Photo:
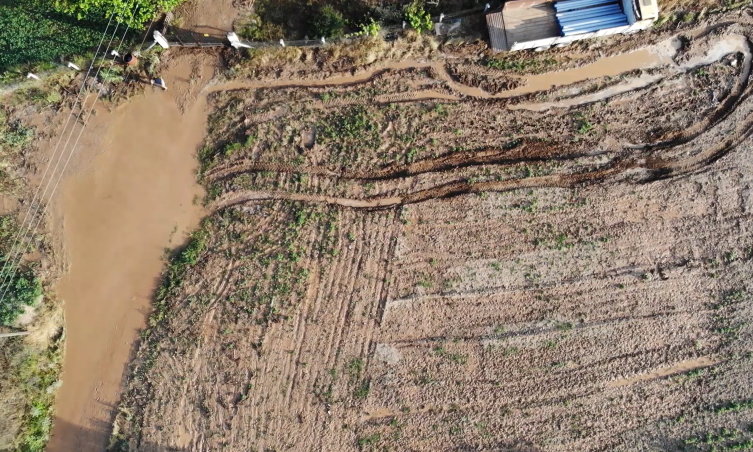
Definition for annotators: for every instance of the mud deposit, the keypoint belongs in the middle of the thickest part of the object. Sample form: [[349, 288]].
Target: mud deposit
[[381, 270], [133, 198]]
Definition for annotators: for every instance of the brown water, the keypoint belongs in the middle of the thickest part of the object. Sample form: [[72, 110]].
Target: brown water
[[135, 199], [730, 44], [681, 367], [605, 67]]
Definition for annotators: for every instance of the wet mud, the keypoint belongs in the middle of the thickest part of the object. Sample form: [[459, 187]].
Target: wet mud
[[135, 197]]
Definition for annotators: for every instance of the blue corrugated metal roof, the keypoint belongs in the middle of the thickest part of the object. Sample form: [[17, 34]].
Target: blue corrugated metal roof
[[599, 25], [585, 16], [595, 20], [578, 14], [569, 5]]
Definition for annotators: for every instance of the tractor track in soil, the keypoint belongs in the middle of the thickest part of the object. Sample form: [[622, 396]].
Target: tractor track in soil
[[654, 168], [396, 267]]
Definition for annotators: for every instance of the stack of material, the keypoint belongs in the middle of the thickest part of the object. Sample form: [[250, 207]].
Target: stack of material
[[586, 16]]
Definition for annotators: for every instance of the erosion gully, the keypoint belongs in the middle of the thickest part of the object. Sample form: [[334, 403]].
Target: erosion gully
[[136, 196]]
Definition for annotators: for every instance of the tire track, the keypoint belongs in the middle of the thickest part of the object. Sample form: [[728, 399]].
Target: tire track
[[525, 152]]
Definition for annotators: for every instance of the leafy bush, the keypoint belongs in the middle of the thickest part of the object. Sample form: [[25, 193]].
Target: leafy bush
[[37, 372], [417, 17], [113, 74], [24, 290], [255, 29], [124, 9], [15, 135], [371, 28], [329, 23]]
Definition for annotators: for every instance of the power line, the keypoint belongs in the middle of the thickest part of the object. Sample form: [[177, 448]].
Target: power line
[[18, 234], [14, 267], [71, 152], [145, 35]]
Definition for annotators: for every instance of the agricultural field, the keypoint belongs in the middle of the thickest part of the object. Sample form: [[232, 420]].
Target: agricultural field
[[431, 254]]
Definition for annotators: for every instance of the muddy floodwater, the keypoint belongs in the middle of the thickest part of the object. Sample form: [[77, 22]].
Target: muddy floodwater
[[135, 198]]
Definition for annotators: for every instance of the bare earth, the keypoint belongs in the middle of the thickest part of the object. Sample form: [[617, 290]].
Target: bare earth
[[405, 261]]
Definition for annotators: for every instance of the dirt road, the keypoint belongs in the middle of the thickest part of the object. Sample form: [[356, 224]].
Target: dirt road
[[133, 198]]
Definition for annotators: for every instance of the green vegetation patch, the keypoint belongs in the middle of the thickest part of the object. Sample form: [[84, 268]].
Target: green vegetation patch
[[31, 31], [22, 286], [37, 375], [349, 132], [134, 17], [296, 19]]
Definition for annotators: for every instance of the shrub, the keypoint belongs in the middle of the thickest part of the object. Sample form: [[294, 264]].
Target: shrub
[[255, 29], [371, 28], [16, 136], [329, 23], [417, 17], [24, 290], [113, 74]]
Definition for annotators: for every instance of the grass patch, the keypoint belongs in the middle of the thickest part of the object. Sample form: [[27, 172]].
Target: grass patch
[[734, 406], [509, 63], [176, 270], [350, 132], [369, 440], [362, 390], [457, 358], [38, 373]]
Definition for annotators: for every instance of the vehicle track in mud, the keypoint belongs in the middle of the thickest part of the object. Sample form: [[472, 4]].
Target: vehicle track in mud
[[638, 159], [516, 152], [541, 307]]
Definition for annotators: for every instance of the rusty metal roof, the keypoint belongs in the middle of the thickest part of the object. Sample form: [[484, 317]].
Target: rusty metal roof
[[522, 21], [496, 24], [530, 20]]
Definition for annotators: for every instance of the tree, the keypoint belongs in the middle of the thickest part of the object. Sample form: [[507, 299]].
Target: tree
[[329, 23]]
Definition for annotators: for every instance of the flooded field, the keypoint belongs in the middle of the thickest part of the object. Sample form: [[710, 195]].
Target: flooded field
[[408, 245], [135, 197]]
